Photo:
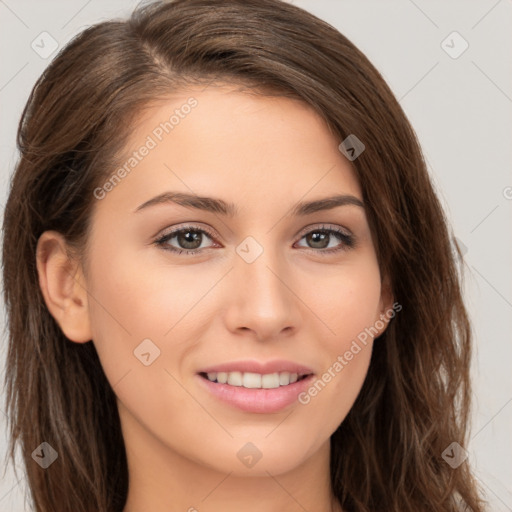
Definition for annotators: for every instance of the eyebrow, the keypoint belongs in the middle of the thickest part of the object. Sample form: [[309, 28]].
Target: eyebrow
[[222, 207]]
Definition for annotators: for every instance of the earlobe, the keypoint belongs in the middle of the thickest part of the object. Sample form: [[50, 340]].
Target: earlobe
[[63, 287]]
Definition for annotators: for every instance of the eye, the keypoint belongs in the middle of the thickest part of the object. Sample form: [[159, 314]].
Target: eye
[[189, 237], [321, 237], [190, 240]]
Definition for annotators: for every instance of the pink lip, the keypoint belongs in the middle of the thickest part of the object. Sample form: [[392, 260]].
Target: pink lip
[[257, 400], [276, 366]]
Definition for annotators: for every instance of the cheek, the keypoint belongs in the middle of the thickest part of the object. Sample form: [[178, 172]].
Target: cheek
[[344, 298], [348, 304], [134, 300], [331, 396]]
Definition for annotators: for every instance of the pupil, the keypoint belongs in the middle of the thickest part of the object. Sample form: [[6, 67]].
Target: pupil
[[319, 237], [190, 237]]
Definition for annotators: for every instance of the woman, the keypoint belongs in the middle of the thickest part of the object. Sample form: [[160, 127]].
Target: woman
[[229, 282]]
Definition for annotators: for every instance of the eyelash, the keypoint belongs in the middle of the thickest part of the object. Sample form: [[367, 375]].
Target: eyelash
[[348, 241]]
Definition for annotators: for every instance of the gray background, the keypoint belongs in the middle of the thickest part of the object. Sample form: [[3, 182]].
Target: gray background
[[461, 110]]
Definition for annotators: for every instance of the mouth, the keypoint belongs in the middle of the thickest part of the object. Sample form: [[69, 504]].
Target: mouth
[[263, 393], [251, 380]]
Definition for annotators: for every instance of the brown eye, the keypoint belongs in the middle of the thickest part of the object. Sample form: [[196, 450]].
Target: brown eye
[[322, 237], [188, 240]]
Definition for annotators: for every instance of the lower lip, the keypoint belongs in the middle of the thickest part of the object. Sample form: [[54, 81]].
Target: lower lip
[[257, 400]]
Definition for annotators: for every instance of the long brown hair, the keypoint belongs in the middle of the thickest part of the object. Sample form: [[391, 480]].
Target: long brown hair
[[387, 453]]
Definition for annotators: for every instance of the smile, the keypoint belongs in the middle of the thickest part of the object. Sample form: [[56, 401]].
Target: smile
[[255, 392], [252, 380]]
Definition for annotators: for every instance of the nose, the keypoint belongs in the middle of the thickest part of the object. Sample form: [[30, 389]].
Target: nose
[[261, 298]]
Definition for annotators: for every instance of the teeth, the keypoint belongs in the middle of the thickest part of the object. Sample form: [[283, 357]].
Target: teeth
[[284, 378], [222, 377], [235, 379], [254, 380], [251, 380], [271, 380]]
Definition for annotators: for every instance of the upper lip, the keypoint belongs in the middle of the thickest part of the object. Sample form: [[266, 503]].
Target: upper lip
[[276, 366]]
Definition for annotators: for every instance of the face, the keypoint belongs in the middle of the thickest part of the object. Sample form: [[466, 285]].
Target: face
[[178, 293]]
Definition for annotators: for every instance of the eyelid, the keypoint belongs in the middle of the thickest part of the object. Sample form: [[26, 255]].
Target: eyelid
[[185, 226], [320, 226], [301, 233]]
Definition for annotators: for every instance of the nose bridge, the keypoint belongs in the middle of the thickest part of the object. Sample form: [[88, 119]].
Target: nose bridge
[[258, 266], [263, 300]]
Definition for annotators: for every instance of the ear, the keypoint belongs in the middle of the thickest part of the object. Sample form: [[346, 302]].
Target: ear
[[387, 307], [63, 287]]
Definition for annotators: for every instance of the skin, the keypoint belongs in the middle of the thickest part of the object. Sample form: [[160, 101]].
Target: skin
[[264, 154]]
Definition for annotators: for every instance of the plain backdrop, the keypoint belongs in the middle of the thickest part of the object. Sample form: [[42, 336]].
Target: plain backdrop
[[459, 101]]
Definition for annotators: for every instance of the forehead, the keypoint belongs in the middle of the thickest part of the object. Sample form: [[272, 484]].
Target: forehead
[[227, 143]]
